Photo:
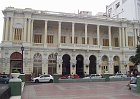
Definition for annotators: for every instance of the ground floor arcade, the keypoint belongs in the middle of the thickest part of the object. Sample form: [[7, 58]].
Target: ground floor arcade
[[69, 62]]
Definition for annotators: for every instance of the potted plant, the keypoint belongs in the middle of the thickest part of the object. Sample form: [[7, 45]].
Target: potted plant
[[15, 73]]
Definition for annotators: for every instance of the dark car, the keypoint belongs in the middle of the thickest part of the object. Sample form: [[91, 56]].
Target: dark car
[[4, 79]]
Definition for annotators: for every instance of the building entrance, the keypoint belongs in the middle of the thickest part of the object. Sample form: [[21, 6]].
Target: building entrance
[[66, 65], [116, 69], [79, 66], [16, 62], [92, 64]]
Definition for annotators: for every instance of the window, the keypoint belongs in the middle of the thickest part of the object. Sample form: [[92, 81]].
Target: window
[[37, 38], [88, 40], [63, 39], [75, 40], [116, 42], [123, 1], [83, 40], [109, 12], [94, 41], [130, 41], [17, 34], [50, 39], [117, 5], [105, 42], [70, 39]]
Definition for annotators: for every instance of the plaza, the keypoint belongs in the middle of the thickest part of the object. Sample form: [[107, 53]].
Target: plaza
[[86, 90]]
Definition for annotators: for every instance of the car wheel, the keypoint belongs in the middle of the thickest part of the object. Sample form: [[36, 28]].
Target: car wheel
[[5, 82], [36, 81], [51, 81]]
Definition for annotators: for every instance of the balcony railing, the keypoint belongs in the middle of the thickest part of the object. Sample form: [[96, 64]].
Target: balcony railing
[[79, 46]]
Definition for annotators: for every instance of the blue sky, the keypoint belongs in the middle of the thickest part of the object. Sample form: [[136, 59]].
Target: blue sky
[[69, 6]]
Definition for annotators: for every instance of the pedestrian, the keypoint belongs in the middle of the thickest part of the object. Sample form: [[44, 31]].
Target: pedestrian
[[133, 82]]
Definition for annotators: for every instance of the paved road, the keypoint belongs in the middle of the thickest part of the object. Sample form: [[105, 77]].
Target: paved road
[[88, 90]]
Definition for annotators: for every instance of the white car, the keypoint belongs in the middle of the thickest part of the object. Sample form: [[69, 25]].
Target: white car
[[43, 78], [93, 76], [119, 75]]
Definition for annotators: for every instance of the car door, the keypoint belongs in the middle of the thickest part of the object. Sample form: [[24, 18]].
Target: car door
[[41, 79], [46, 78]]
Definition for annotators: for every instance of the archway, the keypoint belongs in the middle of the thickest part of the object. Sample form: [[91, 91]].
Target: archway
[[105, 64], [66, 64], [92, 64], [79, 65], [37, 64], [16, 62], [116, 64], [52, 64]]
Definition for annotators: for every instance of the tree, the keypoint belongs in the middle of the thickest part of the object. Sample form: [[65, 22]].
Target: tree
[[136, 58]]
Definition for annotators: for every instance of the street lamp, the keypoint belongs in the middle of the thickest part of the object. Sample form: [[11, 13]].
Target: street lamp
[[22, 49]]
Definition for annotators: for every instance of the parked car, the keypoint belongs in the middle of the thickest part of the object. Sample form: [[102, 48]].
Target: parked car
[[119, 75], [43, 78], [93, 76], [4, 79], [75, 76]]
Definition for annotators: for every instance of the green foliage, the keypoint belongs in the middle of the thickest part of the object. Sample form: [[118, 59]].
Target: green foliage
[[136, 58]]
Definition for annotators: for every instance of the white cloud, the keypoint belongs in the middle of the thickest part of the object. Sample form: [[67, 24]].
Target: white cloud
[[69, 6]]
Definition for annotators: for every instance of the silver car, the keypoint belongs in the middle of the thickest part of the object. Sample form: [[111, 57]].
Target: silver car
[[93, 76], [43, 78], [119, 75]]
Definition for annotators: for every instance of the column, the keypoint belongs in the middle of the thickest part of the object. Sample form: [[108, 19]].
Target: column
[[6, 29], [98, 35], [138, 35], [135, 38], [45, 35], [123, 37], [31, 36], [11, 29], [59, 32], [85, 33], [109, 33], [29, 32], [73, 32], [25, 30], [126, 35], [120, 37]]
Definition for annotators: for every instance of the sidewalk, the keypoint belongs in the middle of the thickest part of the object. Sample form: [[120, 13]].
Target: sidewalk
[[18, 97]]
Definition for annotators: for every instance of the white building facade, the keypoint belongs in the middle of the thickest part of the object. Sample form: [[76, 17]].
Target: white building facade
[[129, 9], [66, 43]]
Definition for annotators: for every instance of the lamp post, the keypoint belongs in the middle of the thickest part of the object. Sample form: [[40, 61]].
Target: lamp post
[[22, 49], [138, 39]]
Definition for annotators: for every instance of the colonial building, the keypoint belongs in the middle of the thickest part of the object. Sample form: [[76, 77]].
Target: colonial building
[[66, 43], [129, 9]]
